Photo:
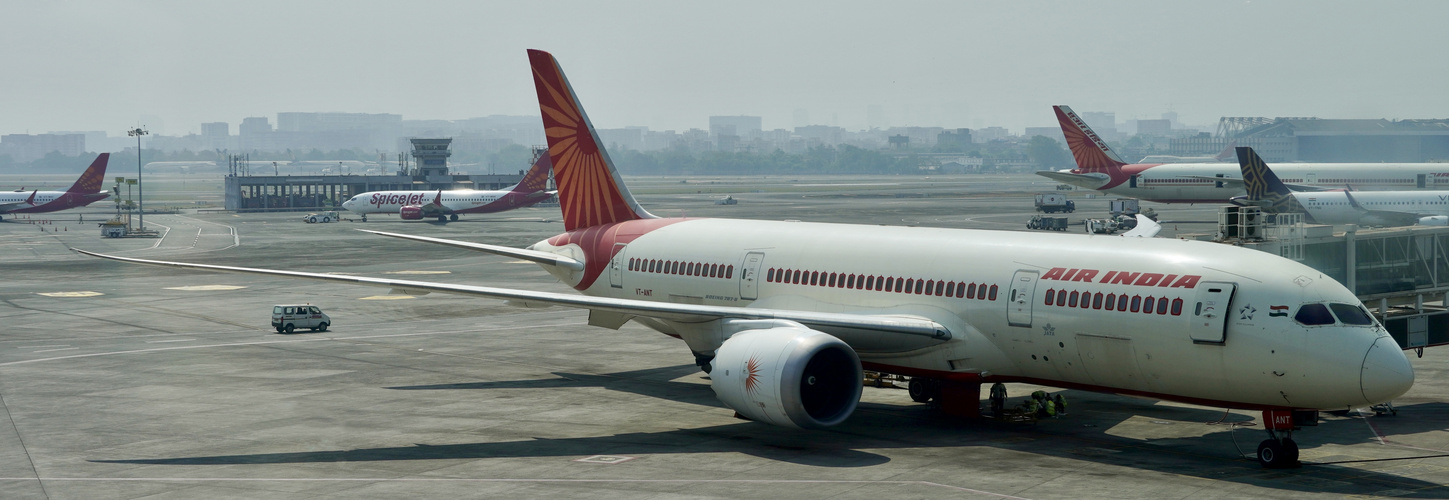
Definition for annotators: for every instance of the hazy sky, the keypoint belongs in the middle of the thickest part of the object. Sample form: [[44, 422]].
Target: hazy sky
[[102, 65]]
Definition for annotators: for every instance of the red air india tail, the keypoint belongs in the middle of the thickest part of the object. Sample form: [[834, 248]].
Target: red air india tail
[[90, 180], [590, 192], [537, 177], [1091, 152]]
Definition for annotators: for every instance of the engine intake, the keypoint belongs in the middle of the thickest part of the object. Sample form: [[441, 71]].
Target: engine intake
[[787, 376], [411, 212]]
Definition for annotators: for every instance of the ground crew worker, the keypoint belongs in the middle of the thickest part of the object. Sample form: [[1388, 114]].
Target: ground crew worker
[[998, 398], [1032, 407], [1042, 402], [1048, 408], [1061, 404]]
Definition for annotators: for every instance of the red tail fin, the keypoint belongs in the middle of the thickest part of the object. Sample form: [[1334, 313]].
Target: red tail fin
[[90, 180], [590, 191], [1091, 152], [537, 177]]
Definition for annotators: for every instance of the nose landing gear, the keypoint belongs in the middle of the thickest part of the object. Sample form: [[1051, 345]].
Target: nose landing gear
[[1278, 452]]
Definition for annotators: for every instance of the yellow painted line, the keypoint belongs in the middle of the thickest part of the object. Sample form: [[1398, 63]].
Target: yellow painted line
[[388, 297], [199, 288], [71, 294]]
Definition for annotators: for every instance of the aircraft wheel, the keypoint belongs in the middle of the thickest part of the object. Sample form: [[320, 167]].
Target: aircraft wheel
[[918, 388], [453, 217], [322, 327], [289, 328], [1271, 454], [364, 218], [442, 219], [1290, 453]]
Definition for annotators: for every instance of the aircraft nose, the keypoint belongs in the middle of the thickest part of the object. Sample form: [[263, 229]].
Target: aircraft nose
[[1386, 373]]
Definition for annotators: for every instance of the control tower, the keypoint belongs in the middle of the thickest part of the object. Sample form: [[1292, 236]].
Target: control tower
[[431, 156]]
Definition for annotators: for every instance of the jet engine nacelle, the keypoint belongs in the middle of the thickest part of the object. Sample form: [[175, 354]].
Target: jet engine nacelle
[[1434, 220], [787, 376], [411, 212]]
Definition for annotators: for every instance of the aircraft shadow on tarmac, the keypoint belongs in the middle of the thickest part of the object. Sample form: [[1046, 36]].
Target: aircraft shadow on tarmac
[[876, 426]]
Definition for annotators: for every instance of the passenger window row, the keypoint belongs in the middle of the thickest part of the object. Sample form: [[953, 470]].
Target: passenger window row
[[960, 290], [682, 268], [1113, 302]]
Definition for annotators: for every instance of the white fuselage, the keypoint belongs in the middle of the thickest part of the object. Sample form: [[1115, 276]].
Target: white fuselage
[[45, 201], [1239, 352], [456, 201], [1182, 182], [1335, 207]]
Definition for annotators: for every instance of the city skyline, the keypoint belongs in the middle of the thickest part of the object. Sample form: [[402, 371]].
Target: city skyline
[[666, 66]]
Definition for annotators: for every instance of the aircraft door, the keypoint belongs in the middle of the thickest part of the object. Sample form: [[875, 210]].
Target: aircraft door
[[750, 274], [616, 266], [1209, 312], [1019, 299], [1422, 181], [1132, 181]]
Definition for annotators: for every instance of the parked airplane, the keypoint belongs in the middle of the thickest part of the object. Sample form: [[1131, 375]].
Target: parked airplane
[[785, 315], [446, 205], [1369, 208], [1099, 168], [86, 190]]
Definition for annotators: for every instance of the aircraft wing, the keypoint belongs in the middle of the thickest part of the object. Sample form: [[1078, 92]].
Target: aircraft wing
[[1146, 228], [1389, 217], [1070, 178], [6, 207], [1238, 183], [517, 253], [865, 332]]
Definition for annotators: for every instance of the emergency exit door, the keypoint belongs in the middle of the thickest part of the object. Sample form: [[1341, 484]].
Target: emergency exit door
[[1019, 302], [1210, 311], [750, 275], [616, 266]]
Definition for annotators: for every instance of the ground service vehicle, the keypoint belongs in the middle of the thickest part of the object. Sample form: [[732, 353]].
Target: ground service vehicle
[[1054, 202], [1044, 222], [286, 318], [321, 217]]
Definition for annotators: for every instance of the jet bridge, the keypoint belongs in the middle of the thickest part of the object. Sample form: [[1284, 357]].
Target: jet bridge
[[1401, 273]]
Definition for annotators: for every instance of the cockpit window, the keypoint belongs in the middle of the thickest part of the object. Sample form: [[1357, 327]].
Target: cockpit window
[[1351, 314], [1314, 315]]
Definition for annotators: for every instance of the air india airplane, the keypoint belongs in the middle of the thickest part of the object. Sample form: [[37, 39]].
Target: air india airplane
[[85, 191], [1099, 168], [1368, 208], [784, 316], [446, 205]]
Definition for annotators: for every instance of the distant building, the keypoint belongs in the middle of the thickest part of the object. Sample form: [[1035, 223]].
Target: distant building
[[960, 137], [1053, 133], [431, 156], [26, 147], [988, 134], [1154, 127], [1104, 123], [622, 138], [742, 126]]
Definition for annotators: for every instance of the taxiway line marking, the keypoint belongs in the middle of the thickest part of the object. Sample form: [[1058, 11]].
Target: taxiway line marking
[[61, 349], [269, 342], [499, 480], [41, 346], [165, 341]]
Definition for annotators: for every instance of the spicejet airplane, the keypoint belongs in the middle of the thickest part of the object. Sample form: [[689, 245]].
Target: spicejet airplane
[[446, 205], [85, 191], [785, 315], [1372, 208], [1099, 168]]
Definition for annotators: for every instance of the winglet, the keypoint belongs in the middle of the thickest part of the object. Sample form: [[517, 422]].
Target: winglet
[[1263, 186], [438, 200], [90, 180], [30, 200], [1091, 152], [591, 193]]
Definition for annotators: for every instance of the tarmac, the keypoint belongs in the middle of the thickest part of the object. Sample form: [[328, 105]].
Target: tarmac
[[120, 381]]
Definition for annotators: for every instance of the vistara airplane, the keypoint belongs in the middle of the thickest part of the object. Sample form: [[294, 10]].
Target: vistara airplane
[[1369, 208], [784, 316], [85, 191]]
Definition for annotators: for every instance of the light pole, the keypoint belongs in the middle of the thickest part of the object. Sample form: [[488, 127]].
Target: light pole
[[140, 188]]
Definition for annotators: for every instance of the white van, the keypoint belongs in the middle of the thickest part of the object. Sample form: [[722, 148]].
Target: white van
[[288, 318]]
